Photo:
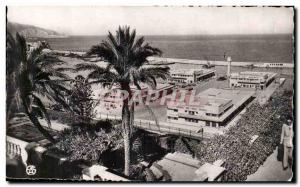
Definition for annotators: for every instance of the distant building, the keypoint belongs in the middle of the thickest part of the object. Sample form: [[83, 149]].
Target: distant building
[[249, 79], [273, 65], [190, 75], [212, 108]]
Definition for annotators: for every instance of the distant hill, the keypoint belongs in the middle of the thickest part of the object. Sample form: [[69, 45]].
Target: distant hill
[[30, 31]]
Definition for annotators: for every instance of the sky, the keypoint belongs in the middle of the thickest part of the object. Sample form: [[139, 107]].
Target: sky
[[97, 20]]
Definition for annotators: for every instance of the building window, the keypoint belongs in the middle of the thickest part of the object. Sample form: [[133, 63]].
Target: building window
[[207, 123], [172, 118], [213, 124]]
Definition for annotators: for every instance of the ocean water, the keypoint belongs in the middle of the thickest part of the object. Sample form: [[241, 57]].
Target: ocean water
[[252, 48]]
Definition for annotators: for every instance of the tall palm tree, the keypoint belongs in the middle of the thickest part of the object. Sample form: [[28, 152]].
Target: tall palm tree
[[126, 57], [32, 77]]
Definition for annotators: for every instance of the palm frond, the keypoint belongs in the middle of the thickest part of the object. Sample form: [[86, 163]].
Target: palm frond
[[48, 61], [157, 72], [63, 69], [42, 108], [88, 66], [97, 74]]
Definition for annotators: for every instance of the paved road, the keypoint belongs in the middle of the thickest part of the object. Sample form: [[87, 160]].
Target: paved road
[[271, 170]]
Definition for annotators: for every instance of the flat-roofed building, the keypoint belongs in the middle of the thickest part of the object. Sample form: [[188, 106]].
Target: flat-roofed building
[[211, 108], [249, 79], [190, 75]]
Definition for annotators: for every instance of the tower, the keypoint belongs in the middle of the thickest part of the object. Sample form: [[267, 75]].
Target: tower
[[229, 66]]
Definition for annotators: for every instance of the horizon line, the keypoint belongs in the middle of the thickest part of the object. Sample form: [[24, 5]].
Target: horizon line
[[187, 34]]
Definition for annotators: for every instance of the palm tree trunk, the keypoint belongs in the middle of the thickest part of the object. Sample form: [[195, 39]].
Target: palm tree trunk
[[131, 116], [126, 135], [126, 129]]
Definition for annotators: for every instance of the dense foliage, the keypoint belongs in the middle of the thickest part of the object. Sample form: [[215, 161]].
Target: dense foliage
[[89, 142], [81, 100]]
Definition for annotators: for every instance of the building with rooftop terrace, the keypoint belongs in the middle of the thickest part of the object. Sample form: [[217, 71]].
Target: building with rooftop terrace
[[249, 79], [210, 108], [190, 75]]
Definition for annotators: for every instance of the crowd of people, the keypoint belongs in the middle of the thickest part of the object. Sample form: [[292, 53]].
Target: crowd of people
[[246, 146]]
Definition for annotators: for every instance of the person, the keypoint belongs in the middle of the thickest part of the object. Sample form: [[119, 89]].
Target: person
[[287, 141]]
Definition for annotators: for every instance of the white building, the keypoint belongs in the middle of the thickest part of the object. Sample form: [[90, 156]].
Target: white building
[[249, 79], [190, 75], [212, 108]]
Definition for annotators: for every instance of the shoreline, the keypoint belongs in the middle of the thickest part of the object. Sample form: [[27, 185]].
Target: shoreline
[[169, 61]]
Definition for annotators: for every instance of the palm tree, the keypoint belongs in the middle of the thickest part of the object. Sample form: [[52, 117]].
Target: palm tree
[[126, 57], [31, 77]]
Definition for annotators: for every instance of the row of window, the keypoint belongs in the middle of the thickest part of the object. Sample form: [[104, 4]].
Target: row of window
[[191, 120], [191, 112], [245, 79], [211, 114], [208, 124], [174, 118], [248, 85], [275, 64], [181, 75], [174, 110], [179, 80]]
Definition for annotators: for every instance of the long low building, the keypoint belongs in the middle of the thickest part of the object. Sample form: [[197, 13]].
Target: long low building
[[211, 108], [249, 79], [190, 75]]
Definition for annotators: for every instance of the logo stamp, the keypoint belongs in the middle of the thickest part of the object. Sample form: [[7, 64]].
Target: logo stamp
[[30, 170]]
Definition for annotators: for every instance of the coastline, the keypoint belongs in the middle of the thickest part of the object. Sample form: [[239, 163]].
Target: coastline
[[169, 61], [218, 63]]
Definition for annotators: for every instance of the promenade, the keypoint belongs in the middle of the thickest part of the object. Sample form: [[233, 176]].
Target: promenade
[[271, 170], [161, 60]]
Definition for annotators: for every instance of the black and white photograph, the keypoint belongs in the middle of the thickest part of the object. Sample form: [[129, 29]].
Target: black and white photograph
[[149, 94]]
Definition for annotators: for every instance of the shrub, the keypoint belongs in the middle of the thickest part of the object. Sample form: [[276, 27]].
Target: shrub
[[61, 116], [89, 142], [81, 101]]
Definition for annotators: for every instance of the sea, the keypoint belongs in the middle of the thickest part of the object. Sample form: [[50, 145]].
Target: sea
[[242, 48]]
